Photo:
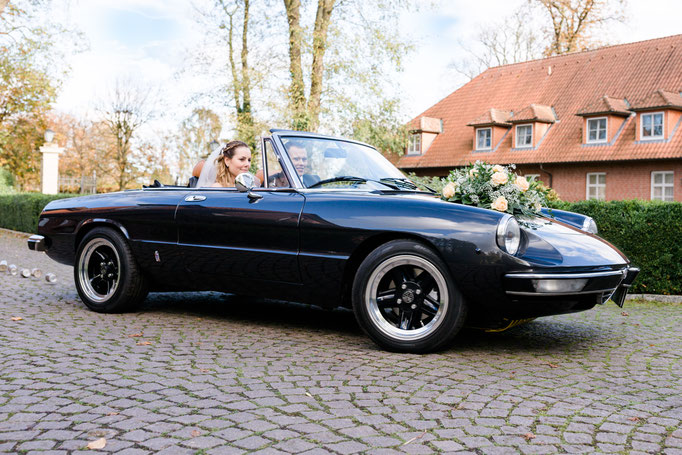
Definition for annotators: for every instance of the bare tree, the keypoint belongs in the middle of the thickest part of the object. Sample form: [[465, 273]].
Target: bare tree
[[574, 23], [512, 40], [124, 113], [196, 134]]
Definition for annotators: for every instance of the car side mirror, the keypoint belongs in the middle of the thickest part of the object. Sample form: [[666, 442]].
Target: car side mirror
[[246, 182]]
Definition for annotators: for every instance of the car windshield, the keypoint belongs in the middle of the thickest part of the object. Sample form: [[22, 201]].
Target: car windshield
[[335, 163]]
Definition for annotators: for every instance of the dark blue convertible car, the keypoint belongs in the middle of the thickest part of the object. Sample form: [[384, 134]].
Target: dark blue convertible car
[[347, 229]]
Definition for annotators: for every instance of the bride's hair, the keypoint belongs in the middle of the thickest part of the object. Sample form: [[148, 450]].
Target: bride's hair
[[223, 176]]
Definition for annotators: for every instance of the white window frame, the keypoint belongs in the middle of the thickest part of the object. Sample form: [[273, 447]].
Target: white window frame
[[414, 147], [530, 177], [641, 126], [595, 186], [663, 185], [490, 146], [516, 140], [606, 130]]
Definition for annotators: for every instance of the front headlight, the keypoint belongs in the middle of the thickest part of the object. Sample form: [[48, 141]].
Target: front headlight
[[509, 235], [589, 225]]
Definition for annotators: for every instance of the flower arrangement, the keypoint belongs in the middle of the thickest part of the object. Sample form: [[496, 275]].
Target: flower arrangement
[[495, 187]]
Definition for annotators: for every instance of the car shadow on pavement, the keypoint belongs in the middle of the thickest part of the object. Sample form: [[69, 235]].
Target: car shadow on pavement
[[235, 308], [542, 335]]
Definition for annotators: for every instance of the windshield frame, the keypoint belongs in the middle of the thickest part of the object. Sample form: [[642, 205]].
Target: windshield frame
[[277, 137]]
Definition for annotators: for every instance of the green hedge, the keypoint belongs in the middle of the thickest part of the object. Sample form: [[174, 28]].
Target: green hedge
[[20, 211], [647, 232]]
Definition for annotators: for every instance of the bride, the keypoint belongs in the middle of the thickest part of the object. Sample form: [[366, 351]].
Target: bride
[[225, 164]]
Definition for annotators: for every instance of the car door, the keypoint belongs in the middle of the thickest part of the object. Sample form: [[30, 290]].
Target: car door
[[231, 239]]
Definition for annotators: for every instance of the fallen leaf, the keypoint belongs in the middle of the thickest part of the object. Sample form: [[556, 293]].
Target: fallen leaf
[[625, 313], [97, 444], [528, 436], [135, 335], [552, 365], [633, 419], [17, 318], [204, 370], [113, 414], [195, 433], [415, 438], [308, 394], [144, 343]]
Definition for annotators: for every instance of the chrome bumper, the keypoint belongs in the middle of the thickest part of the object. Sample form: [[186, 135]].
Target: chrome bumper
[[37, 243], [610, 284]]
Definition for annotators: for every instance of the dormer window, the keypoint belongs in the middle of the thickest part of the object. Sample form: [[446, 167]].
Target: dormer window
[[484, 138], [415, 145], [596, 129], [524, 136], [652, 126]]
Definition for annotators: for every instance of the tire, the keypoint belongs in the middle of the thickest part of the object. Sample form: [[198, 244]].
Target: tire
[[400, 307], [107, 277]]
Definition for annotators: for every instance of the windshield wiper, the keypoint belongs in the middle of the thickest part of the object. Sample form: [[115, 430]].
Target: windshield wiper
[[405, 183], [351, 178]]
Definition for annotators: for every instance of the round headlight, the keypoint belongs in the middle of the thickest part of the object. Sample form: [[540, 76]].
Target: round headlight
[[589, 225], [509, 235]]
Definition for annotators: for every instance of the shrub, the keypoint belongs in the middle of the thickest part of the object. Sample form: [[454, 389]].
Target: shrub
[[647, 232], [20, 211]]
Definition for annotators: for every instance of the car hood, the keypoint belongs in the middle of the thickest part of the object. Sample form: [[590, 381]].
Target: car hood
[[553, 243]]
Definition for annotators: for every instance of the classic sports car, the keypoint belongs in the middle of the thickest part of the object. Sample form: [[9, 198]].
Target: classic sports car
[[345, 228]]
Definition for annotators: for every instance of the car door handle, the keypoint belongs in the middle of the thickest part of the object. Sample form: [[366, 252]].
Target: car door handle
[[195, 198]]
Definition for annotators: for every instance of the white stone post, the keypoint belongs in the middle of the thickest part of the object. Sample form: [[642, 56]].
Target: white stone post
[[51, 152]]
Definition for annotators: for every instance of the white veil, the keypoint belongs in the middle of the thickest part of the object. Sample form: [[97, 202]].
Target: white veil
[[209, 172]]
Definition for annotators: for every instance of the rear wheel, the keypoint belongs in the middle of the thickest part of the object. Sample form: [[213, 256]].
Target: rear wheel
[[404, 299], [107, 277]]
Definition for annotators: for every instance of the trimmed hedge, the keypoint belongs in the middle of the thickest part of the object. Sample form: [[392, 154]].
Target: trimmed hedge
[[20, 211], [647, 232]]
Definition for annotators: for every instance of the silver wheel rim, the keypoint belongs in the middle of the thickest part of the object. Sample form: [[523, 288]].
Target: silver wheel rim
[[99, 270], [406, 297]]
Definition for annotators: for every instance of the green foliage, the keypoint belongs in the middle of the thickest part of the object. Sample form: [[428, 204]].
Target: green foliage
[[381, 127], [20, 212], [434, 183], [6, 181], [647, 232]]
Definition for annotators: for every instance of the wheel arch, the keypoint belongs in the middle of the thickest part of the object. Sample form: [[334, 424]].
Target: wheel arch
[[366, 247], [90, 224]]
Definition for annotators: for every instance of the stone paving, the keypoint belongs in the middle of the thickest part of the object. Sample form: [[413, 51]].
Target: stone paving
[[207, 373]]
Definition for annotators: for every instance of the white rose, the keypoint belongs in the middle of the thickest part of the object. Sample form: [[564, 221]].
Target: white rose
[[499, 178], [498, 168], [473, 172], [500, 204], [449, 190], [521, 183]]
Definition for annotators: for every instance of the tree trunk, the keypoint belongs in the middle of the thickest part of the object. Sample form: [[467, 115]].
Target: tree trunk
[[3, 3], [322, 19], [297, 98]]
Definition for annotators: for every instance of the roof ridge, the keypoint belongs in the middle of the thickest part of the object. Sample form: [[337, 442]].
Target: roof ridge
[[580, 52]]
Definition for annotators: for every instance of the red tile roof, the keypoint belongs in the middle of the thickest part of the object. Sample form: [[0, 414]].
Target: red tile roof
[[493, 117], [534, 113], [607, 105], [660, 99], [567, 83]]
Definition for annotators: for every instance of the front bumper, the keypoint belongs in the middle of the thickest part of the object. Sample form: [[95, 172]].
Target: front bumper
[[603, 285], [37, 243]]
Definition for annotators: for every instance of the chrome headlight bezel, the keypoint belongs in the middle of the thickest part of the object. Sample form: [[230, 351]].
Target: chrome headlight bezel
[[509, 235]]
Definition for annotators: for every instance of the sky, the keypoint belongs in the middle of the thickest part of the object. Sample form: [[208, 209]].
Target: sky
[[150, 40]]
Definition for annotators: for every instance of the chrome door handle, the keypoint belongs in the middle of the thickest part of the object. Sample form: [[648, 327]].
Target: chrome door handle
[[195, 198]]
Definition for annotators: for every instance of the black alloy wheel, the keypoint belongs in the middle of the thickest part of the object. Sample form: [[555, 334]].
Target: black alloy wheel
[[404, 299], [107, 277]]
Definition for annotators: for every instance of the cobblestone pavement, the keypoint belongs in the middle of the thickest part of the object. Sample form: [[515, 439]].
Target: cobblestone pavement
[[212, 374]]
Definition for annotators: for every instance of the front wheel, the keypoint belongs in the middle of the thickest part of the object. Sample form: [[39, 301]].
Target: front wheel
[[107, 277], [404, 299]]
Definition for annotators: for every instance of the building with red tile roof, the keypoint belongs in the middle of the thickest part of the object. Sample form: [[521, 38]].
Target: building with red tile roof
[[605, 123]]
